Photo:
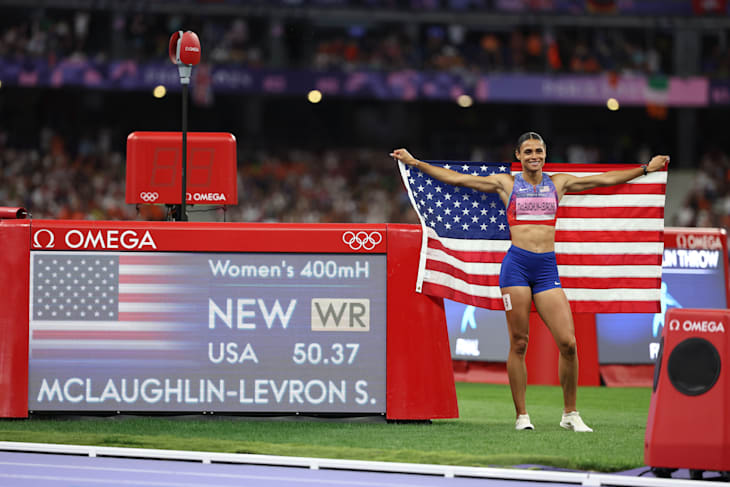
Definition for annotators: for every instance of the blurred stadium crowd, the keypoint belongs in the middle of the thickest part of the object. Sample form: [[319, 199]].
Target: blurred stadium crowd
[[260, 41], [345, 185], [80, 173], [707, 203]]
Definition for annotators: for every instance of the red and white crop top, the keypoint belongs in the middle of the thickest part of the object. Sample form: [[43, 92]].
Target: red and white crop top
[[536, 205]]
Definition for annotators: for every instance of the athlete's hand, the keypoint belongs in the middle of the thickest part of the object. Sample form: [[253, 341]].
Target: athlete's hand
[[657, 163], [404, 156]]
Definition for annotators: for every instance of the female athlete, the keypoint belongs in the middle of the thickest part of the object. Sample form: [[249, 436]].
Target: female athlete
[[529, 272]]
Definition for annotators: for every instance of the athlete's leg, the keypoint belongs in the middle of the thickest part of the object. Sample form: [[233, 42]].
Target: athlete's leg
[[517, 300], [554, 309]]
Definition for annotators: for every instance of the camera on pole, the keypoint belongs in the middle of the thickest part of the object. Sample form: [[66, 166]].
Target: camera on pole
[[185, 53]]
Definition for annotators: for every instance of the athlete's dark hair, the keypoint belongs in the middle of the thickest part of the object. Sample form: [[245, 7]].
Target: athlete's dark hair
[[528, 136]]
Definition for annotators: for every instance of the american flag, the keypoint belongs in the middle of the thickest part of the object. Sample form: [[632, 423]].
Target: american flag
[[609, 241], [105, 305]]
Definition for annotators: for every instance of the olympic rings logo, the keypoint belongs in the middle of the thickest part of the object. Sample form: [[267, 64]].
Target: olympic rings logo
[[149, 197], [362, 240]]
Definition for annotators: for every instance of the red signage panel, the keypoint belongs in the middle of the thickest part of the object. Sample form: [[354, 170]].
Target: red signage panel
[[416, 392], [124, 236], [154, 168]]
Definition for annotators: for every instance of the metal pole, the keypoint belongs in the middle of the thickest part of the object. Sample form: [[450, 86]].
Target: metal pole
[[183, 212]]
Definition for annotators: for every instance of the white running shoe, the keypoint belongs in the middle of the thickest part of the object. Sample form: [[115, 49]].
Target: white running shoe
[[572, 421], [523, 422]]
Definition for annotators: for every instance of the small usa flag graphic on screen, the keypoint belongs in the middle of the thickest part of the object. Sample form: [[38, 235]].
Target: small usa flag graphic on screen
[[76, 287], [114, 305]]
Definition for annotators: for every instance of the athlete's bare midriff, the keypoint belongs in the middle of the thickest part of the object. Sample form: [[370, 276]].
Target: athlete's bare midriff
[[533, 238]]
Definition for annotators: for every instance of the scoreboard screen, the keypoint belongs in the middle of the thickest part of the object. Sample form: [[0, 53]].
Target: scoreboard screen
[[694, 275], [207, 332], [476, 333]]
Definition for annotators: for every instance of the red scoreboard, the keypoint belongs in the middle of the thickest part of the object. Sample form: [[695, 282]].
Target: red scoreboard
[[154, 168], [219, 317]]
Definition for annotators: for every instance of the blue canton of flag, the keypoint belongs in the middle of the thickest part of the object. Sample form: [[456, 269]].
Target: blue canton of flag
[[76, 287], [465, 234], [456, 212]]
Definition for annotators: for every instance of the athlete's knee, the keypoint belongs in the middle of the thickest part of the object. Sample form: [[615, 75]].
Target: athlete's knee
[[518, 343], [568, 347]]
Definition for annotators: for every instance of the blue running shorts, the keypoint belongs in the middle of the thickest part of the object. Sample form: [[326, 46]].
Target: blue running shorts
[[521, 267]]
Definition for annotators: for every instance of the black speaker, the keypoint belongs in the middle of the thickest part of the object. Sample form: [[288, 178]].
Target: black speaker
[[688, 424]]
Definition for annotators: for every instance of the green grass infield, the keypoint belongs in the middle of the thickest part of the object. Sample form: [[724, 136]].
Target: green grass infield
[[484, 434]]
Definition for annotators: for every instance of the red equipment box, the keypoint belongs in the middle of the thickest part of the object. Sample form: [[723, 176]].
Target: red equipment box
[[688, 425], [154, 168]]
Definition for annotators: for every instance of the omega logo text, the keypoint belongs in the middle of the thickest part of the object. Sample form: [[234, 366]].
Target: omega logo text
[[206, 197], [711, 242], [698, 326], [99, 239]]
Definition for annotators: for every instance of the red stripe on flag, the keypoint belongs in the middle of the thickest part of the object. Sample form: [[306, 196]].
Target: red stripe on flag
[[147, 316], [478, 279], [154, 298], [608, 259], [131, 278], [567, 282], [85, 354], [656, 188], [610, 282], [610, 212], [454, 295], [155, 259], [615, 306], [467, 255], [608, 236], [102, 335], [569, 167]]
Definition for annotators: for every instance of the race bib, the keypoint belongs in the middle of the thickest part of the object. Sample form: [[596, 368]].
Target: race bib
[[535, 208]]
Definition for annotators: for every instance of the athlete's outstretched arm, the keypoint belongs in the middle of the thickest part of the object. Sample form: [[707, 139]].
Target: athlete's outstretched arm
[[571, 184], [487, 184]]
